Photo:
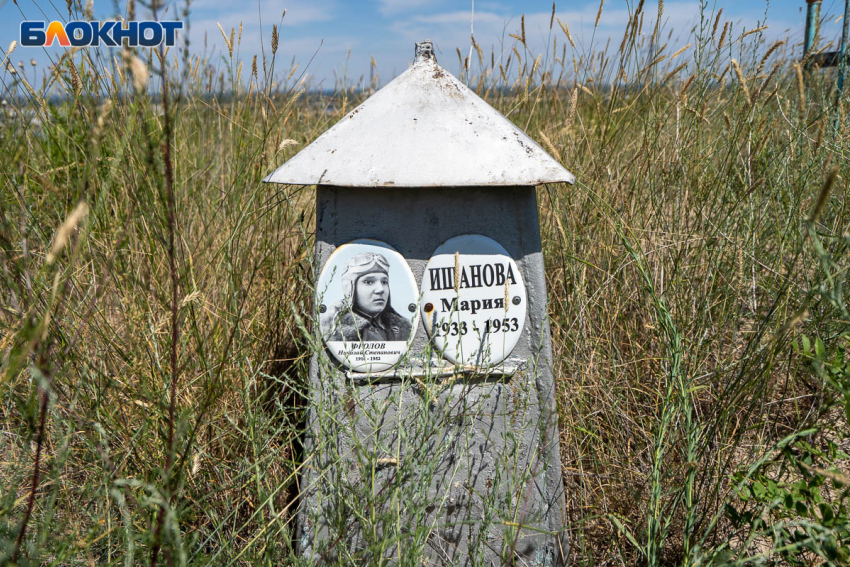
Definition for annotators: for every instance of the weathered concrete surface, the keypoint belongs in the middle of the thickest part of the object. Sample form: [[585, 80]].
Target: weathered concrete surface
[[420, 470]]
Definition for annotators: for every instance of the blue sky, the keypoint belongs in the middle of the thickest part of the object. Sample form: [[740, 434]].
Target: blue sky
[[325, 30]]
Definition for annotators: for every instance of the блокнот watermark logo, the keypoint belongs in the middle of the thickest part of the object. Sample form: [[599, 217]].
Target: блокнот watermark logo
[[109, 33]]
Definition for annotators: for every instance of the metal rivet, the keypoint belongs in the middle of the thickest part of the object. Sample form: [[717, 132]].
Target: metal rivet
[[322, 308], [429, 307], [517, 300], [411, 307]]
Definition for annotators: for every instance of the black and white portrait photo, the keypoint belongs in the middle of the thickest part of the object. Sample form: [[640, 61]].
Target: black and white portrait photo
[[367, 299]]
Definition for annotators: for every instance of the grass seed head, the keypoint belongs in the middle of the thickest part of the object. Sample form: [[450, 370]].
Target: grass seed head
[[687, 85], [756, 30], [64, 231], [742, 82], [801, 88], [716, 22], [679, 52], [566, 29], [767, 55], [522, 26], [625, 39], [9, 52], [226, 40], [105, 109], [139, 71], [76, 82], [823, 196], [549, 145], [723, 35]]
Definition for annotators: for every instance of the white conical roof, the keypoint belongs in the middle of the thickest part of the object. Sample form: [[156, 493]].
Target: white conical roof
[[423, 129]]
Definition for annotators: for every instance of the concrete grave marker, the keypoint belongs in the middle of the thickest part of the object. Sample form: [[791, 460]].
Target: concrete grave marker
[[446, 454]]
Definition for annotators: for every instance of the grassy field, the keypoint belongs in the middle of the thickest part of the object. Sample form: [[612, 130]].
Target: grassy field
[[153, 290]]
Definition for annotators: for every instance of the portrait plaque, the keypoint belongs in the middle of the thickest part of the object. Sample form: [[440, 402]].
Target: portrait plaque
[[366, 298], [473, 300]]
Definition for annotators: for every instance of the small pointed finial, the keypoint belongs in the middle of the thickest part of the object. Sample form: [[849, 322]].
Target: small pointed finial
[[424, 50]]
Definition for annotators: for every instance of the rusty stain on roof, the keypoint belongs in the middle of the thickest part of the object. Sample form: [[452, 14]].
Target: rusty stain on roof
[[425, 128]]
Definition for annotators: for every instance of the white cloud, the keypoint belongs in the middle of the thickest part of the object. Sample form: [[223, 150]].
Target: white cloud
[[394, 26], [298, 12], [209, 14], [388, 7], [459, 18], [450, 29]]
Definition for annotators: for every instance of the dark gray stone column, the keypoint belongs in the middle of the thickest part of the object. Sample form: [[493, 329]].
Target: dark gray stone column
[[424, 467]]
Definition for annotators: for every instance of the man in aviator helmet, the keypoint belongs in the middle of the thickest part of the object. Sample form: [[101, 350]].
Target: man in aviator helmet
[[365, 312]]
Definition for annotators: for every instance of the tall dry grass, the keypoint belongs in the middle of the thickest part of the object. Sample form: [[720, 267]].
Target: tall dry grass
[[153, 370]]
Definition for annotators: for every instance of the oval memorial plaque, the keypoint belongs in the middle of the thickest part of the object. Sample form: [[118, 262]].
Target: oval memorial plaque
[[473, 300], [366, 298]]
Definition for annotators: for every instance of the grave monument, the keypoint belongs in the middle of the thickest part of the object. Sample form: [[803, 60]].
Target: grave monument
[[432, 431]]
